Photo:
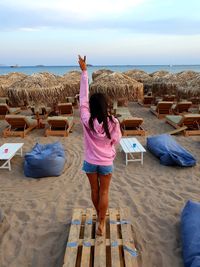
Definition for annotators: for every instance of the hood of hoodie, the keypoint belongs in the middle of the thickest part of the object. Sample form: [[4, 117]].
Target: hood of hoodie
[[99, 129]]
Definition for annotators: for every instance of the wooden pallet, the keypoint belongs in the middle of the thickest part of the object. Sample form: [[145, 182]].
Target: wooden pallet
[[115, 249]]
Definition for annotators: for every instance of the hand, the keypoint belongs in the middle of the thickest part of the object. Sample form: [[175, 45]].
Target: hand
[[82, 63]]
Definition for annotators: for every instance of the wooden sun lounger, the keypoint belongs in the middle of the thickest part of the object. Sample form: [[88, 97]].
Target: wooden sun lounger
[[5, 110], [65, 109], [59, 125], [169, 98], [182, 107], [190, 121], [132, 126], [147, 101], [84, 248], [41, 111], [162, 109], [19, 125]]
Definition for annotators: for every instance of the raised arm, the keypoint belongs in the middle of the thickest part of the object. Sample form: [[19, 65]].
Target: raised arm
[[84, 92]]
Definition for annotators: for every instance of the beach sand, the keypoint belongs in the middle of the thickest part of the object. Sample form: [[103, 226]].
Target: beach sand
[[38, 211]]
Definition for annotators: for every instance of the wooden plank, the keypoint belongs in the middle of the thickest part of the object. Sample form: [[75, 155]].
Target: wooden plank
[[100, 250], [178, 130], [115, 259], [73, 240], [130, 254], [87, 241]]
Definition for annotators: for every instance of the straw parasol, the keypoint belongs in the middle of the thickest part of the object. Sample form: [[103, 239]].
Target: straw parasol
[[189, 88], [141, 76], [117, 85], [95, 74], [71, 83], [164, 83], [159, 74], [7, 80], [38, 88]]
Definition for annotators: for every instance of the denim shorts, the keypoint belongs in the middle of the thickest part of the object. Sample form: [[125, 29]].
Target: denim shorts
[[92, 168]]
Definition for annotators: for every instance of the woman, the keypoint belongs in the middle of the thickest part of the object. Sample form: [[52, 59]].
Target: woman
[[101, 133]]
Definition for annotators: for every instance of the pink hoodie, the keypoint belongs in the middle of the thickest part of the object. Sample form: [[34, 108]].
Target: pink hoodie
[[98, 148]]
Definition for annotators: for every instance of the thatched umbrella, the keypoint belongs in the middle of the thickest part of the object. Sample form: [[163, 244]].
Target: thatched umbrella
[[39, 88], [95, 74], [8, 80], [141, 76], [190, 88], [117, 85], [71, 83], [159, 74], [163, 84]]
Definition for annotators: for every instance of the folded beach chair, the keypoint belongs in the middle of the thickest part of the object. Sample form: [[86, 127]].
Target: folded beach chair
[[59, 125], [147, 101], [162, 109], [188, 123], [181, 107], [5, 109], [65, 109], [19, 125], [132, 126]]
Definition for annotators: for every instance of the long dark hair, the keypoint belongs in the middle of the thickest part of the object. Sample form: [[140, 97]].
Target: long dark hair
[[99, 110]]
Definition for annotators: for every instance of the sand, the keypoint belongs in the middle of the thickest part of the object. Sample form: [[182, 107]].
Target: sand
[[38, 211]]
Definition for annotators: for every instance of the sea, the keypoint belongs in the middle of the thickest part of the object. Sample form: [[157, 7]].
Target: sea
[[60, 70]]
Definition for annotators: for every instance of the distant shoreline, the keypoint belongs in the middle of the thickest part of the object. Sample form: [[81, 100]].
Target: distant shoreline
[[61, 70], [117, 65]]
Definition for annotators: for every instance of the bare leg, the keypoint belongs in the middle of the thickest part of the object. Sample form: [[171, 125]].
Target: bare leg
[[103, 201], [94, 183]]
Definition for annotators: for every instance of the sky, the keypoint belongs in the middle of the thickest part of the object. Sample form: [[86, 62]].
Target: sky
[[112, 32]]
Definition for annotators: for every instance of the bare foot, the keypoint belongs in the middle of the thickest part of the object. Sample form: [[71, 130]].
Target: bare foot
[[100, 229]]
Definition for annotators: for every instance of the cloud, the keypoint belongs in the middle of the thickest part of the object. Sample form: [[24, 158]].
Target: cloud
[[79, 8], [35, 15]]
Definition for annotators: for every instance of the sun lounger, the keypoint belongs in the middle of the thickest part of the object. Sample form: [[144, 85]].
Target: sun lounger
[[162, 109], [169, 98], [19, 125], [72, 100], [132, 126], [147, 101], [65, 109], [123, 111], [41, 111], [191, 121], [59, 125], [129, 125], [4, 100], [195, 101], [5, 109], [181, 107]]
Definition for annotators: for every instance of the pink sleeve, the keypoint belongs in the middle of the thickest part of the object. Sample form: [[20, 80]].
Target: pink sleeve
[[84, 98], [116, 133]]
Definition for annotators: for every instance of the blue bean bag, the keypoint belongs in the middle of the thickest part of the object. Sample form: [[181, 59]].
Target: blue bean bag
[[190, 233], [44, 160], [169, 151]]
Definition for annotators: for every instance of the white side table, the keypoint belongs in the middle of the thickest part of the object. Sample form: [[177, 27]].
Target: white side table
[[130, 146], [8, 151]]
